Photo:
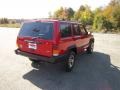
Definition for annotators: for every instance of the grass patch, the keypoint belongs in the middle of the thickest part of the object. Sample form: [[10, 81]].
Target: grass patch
[[16, 25]]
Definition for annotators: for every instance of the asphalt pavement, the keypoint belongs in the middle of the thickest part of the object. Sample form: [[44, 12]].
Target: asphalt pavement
[[97, 71]]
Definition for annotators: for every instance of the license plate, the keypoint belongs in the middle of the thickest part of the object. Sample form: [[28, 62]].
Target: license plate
[[32, 45]]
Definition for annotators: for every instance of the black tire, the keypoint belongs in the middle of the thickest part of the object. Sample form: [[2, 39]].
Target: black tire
[[90, 48], [70, 62]]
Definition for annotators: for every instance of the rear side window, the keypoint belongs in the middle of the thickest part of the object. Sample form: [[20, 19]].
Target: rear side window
[[37, 29], [76, 29], [65, 29]]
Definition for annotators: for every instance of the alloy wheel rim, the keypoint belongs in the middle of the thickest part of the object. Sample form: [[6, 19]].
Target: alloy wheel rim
[[71, 61], [92, 46]]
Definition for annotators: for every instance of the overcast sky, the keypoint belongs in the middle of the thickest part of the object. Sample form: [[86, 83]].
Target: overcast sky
[[41, 8]]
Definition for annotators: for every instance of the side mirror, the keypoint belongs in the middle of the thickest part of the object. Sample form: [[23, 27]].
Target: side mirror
[[90, 32]]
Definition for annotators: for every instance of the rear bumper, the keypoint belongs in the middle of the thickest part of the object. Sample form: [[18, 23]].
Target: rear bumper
[[53, 59]]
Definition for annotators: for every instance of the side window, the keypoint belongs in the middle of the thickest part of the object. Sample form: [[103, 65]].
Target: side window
[[76, 29], [82, 29], [65, 30]]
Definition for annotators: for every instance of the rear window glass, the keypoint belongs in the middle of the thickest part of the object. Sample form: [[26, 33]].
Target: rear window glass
[[37, 29]]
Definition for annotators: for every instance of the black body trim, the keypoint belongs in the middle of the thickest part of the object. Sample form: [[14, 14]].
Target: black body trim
[[53, 59]]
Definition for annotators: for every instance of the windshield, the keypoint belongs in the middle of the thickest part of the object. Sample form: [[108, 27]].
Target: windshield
[[37, 29]]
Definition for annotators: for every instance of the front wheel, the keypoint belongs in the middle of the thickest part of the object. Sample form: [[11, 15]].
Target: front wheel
[[90, 48], [69, 64]]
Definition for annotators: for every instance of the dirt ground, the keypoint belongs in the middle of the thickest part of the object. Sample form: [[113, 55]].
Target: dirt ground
[[98, 71]]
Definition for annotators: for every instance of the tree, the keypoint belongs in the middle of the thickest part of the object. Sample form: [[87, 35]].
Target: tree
[[64, 13], [87, 17], [78, 13], [116, 15], [59, 13], [4, 21], [98, 22], [112, 13], [84, 15], [108, 17], [70, 13], [82, 8]]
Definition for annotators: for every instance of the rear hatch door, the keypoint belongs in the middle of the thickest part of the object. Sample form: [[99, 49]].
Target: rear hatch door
[[36, 38]]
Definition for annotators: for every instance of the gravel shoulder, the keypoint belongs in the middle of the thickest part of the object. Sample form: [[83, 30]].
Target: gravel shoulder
[[99, 71]]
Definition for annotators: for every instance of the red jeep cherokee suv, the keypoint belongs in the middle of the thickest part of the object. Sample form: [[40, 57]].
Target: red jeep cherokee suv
[[54, 41]]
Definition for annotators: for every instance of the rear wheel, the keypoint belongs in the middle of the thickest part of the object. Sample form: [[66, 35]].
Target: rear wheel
[[69, 64], [90, 48]]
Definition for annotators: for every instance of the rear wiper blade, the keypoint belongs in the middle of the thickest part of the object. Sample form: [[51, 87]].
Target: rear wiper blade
[[38, 37], [35, 30], [41, 37]]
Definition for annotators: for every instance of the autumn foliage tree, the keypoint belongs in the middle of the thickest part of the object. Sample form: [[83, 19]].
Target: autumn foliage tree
[[64, 13], [108, 18], [103, 18]]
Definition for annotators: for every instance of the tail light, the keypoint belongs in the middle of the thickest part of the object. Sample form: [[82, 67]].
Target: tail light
[[55, 50], [17, 45]]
